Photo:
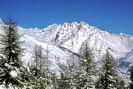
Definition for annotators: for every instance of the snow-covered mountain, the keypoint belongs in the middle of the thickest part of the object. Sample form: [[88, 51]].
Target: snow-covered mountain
[[63, 43]]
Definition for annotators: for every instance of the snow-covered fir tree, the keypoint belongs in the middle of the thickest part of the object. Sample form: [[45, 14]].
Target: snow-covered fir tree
[[131, 78], [87, 74], [108, 78], [80, 77], [42, 78], [63, 82], [12, 72]]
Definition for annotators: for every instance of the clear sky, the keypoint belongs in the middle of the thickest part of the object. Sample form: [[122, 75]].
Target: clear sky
[[112, 15]]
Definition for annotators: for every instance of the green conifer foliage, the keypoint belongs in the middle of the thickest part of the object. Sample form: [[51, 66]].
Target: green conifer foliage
[[131, 78], [84, 76], [88, 71], [108, 78], [11, 68]]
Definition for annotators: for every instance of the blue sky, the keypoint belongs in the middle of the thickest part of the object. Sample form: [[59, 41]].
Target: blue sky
[[112, 15]]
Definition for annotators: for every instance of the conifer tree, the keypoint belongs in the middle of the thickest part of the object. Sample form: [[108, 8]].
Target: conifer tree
[[63, 82], [83, 76], [131, 78], [120, 83], [12, 72], [36, 69], [42, 78], [108, 78], [87, 72]]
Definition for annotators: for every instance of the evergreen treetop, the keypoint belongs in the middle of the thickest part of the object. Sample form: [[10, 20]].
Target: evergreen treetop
[[12, 71]]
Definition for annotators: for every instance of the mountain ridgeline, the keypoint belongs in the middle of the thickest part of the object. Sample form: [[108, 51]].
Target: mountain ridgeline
[[67, 40]]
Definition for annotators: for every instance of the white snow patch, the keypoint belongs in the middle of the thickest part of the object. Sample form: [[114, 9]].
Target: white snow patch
[[13, 74]]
